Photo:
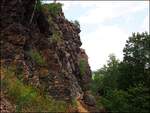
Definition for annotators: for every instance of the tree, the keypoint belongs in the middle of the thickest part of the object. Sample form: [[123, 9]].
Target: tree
[[105, 79], [139, 99], [110, 76], [135, 67], [116, 101], [126, 85]]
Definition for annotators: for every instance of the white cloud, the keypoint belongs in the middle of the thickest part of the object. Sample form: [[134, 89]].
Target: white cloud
[[103, 41], [66, 5], [70, 4], [107, 39], [104, 11], [145, 25]]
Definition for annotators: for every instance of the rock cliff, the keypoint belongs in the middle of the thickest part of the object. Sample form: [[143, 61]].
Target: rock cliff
[[44, 47]]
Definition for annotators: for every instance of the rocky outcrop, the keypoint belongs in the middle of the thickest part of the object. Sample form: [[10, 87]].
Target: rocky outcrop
[[47, 50], [5, 105]]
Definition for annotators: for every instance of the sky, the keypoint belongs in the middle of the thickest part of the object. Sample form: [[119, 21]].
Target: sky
[[106, 25]]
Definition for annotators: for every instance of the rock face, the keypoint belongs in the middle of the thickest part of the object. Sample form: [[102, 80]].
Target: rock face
[[6, 106], [47, 49]]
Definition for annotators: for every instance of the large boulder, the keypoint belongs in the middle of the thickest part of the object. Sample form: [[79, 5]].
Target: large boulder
[[89, 99]]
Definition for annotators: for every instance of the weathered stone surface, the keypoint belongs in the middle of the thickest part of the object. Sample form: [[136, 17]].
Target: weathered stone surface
[[89, 99], [57, 43], [5, 105], [15, 34]]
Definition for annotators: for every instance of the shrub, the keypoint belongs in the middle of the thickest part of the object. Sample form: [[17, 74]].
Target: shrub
[[97, 84], [82, 66], [56, 37], [115, 101], [27, 98], [37, 57], [136, 99], [54, 8], [74, 103], [139, 98], [38, 5]]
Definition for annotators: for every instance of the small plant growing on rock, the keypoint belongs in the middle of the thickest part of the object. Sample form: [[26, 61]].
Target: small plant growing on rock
[[54, 8], [56, 37], [82, 66], [37, 57], [74, 103], [26, 97]]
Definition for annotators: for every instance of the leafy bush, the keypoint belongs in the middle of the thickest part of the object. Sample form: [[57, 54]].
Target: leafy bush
[[115, 101], [136, 99], [38, 5], [139, 98], [74, 103], [56, 37], [27, 98], [105, 79], [37, 57], [82, 66], [54, 8], [97, 84]]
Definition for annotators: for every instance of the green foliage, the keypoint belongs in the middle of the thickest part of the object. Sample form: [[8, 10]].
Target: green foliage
[[111, 73], [54, 8], [116, 101], [37, 57], [38, 5], [135, 68], [82, 66], [56, 37], [27, 98], [106, 78], [97, 83], [124, 86], [139, 98], [74, 103]]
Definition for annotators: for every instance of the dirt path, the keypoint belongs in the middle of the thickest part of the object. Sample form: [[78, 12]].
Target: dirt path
[[81, 108]]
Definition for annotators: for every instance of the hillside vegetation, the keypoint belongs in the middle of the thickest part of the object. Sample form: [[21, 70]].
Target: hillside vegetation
[[43, 67], [124, 86]]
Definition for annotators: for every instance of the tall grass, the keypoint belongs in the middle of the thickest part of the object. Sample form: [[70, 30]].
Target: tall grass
[[26, 97]]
